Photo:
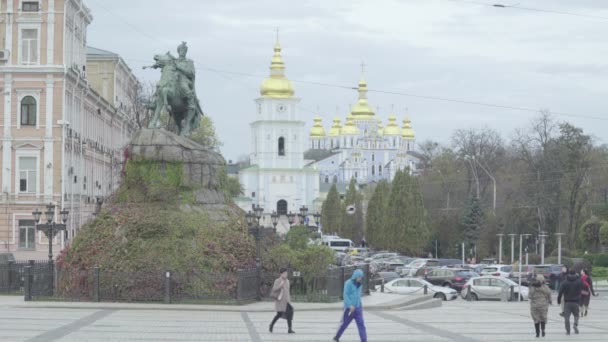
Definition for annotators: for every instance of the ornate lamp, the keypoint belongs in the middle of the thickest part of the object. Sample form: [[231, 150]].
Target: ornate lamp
[[275, 219], [37, 213], [291, 217], [64, 215], [317, 218], [250, 216]]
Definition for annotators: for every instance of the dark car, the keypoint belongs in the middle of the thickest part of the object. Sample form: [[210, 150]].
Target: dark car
[[551, 273], [450, 277]]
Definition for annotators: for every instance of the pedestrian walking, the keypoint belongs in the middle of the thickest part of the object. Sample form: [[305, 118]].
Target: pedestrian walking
[[352, 306], [540, 298], [282, 301], [587, 292], [571, 292]]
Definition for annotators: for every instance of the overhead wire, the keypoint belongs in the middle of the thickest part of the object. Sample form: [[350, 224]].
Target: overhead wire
[[381, 91]]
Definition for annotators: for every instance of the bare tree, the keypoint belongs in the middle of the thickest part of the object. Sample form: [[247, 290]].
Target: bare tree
[[142, 99]]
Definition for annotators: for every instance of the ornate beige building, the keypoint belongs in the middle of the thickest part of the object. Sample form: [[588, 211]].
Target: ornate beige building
[[62, 136]]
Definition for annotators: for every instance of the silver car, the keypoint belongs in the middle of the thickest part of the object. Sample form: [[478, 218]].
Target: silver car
[[415, 286], [493, 288]]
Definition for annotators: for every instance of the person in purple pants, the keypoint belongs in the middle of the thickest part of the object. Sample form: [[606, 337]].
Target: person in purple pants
[[352, 306]]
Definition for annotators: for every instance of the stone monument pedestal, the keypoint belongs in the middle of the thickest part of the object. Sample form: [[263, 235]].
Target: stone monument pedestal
[[201, 167]]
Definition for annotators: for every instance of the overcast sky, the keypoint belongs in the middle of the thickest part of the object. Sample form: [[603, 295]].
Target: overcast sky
[[439, 48]]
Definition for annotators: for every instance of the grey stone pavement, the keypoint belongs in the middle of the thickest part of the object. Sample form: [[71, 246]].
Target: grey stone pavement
[[454, 321]]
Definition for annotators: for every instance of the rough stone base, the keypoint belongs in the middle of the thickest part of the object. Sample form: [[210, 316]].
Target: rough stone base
[[201, 167]]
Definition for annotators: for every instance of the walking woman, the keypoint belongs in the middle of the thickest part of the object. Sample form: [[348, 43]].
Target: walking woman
[[587, 292], [282, 299], [540, 298]]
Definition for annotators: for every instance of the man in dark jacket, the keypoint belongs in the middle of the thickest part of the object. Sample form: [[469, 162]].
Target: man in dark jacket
[[571, 291]]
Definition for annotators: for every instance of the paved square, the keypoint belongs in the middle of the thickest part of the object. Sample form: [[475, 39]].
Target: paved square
[[454, 321]]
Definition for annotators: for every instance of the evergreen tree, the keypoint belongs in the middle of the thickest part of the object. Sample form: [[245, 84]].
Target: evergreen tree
[[375, 232], [331, 219], [470, 222], [405, 221], [353, 224]]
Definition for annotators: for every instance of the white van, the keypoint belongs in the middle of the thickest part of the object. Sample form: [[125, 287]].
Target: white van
[[336, 243]]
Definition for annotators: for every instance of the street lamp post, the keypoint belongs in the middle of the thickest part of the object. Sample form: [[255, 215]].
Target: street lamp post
[[50, 228], [543, 235], [559, 247], [317, 217], [521, 236], [275, 219], [500, 236], [303, 214], [512, 248]]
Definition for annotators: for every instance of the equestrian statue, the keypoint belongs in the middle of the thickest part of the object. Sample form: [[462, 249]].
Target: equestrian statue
[[175, 96]]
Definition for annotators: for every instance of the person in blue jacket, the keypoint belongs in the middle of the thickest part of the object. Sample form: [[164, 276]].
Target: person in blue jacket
[[352, 306]]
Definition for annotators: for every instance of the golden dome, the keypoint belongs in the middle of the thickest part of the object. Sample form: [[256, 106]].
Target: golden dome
[[317, 130], [361, 110], [407, 131], [334, 131], [392, 128], [350, 128], [277, 85]]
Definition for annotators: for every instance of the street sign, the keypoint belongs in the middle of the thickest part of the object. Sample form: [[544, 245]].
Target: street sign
[[296, 274]]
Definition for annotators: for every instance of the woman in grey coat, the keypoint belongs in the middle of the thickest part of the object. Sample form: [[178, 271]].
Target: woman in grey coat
[[282, 299], [539, 296]]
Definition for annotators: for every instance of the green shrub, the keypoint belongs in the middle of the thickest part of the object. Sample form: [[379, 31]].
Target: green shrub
[[600, 260], [600, 273]]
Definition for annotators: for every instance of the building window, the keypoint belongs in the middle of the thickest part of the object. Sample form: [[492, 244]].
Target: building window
[[281, 146], [27, 234], [28, 111], [356, 175], [29, 46], [332, 143], [27, 174], [394, 144], [380, 170], [335, 180], [373, 170], [326, 179], [30, 6], [373, 157], [253, 194]]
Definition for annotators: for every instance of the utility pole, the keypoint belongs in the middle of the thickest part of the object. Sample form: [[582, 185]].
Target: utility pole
[[543, 235], [559, 247], [512, 248], [494, 184], [500, 247], [520, 254]]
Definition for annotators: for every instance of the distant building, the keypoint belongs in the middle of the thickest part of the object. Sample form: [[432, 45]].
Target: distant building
[[278, 178], [62, 135], [362, 149]]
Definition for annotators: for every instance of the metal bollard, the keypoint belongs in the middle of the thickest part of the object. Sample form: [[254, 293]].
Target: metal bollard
[[469, 296], [168, 287], [512, 293], [96, 296], [426, 289], [382, 286], [28, 283]]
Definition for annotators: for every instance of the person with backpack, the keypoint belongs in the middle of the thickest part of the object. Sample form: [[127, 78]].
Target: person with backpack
[[282, 301], [352, 306]]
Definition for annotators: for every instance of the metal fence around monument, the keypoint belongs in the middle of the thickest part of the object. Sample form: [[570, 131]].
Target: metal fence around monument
[[44, 281]]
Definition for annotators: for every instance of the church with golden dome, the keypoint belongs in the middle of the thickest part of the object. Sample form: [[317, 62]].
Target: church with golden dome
[[363, 148], [278, 178]]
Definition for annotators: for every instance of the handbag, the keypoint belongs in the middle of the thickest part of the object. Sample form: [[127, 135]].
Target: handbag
[[288, 313], [585, 293]]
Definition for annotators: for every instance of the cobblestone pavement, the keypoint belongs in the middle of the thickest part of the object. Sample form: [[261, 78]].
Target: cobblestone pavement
[[455, 321]]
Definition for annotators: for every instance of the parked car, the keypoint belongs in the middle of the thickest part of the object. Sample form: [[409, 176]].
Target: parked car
[[447, 277], [475, 268], [416, 286], [527, 272], [413, 269], [493, 288], [449, 262], [551, 273], [489, 261], [497, 270], [381, 255], [382, 277], [352, 260]]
